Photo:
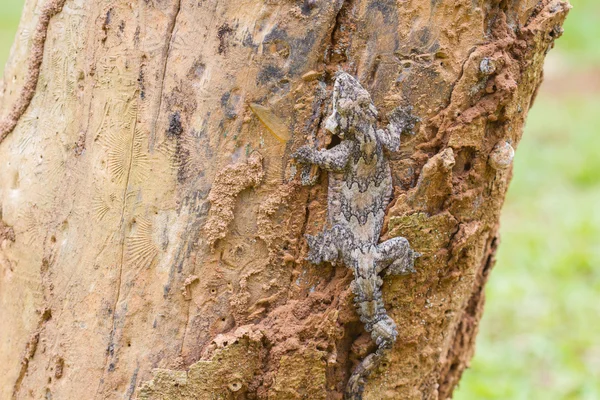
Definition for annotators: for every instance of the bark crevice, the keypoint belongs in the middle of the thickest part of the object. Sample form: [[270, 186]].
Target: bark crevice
[[161, 79]]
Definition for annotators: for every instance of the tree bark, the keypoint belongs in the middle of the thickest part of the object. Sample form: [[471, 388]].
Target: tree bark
[[152, 221]]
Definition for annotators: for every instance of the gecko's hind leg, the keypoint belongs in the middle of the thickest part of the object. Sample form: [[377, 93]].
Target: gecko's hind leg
[[396, 257], [329, 245], [320, 248]]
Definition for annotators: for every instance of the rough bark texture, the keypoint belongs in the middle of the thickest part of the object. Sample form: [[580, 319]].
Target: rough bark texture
[[152, 230]]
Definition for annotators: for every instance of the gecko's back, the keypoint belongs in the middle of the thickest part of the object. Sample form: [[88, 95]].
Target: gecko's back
[[359, 195]]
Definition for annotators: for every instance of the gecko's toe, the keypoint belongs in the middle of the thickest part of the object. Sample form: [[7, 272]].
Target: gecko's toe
[[401, 267]]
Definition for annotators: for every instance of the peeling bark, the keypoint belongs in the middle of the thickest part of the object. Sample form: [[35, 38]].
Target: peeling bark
[[152, 226]]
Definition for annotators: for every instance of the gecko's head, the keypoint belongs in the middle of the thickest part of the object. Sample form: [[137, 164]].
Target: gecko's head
[[352, 106]]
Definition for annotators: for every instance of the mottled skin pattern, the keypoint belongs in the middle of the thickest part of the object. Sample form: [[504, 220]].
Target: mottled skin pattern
[[360, 189]]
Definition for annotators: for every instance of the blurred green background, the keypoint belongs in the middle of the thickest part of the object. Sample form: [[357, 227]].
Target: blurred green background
[[540, 334]]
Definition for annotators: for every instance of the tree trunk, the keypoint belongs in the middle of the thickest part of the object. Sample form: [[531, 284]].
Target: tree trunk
[[152, 234]]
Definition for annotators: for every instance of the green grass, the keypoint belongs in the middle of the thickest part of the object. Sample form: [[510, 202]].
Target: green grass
[[10, 12], [540, 332], [582, 32]]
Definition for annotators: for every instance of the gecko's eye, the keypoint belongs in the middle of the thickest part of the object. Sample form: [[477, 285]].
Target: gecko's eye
[[363, 99]]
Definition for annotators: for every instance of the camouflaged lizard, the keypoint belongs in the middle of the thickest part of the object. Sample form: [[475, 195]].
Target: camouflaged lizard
[[360, 189]]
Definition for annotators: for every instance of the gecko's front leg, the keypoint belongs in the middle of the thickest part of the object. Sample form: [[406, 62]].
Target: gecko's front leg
[[401, 120], [334, 159], [395, 257]]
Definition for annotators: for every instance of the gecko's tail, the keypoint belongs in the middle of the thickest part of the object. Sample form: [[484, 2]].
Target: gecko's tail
[[356, 383], [370, 307]]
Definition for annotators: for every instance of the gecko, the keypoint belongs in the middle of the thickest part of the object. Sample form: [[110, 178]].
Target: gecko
[[359, 191]]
